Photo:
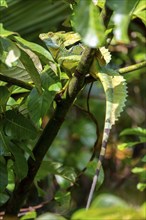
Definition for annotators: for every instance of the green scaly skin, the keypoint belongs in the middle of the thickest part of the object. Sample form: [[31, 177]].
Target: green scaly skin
[[113, 83]]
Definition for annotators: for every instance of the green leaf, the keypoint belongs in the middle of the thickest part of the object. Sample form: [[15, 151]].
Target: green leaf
[[121, 17], [50, 167], [144, 159], [16, 125], [4, 32], [31, 69], [91, 28], [50, 216], [134, 131], [20, 162], [139, 170], [4, 95], [29, 215], [128, 144], [3, 198], [3, 3], [108, 200], [39, 50], [9, 52], [91, 170], [141, 186], [4, 141], [39, 104], [3, 174], [112, 213], [140, 11]]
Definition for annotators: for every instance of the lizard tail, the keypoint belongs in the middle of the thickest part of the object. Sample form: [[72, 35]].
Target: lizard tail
[[106, 134]]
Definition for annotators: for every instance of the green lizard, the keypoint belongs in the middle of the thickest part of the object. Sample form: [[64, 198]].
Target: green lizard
[[67, 54]]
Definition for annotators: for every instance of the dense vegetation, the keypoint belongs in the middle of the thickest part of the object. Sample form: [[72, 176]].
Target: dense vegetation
[[49, 147]]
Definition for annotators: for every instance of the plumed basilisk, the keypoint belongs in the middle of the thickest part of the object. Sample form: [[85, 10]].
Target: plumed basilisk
[[66, 50]]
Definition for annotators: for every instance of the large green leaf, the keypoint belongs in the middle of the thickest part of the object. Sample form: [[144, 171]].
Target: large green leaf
[[3, 174], [39, 104], [17, 72], [123, 11], [87, 21], [112, 213], [34, 17], [39, 50], [31, 69], [18, 127]]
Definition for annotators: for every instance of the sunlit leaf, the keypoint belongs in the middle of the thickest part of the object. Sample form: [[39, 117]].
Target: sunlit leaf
[[139, 170], [31, 69], [121, 17], [134, 131], [90, 28], [29, 215], [122, 146], [141, 186], [9, 52], [50, 216], [39, 50], [3, 3], [4, 32]]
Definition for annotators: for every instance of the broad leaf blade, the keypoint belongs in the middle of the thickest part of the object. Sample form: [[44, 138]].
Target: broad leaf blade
[[31, 69], [16, 125], [88, 23], [39, 50]]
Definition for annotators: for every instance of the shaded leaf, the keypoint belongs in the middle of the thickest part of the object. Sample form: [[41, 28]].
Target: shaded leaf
[[4, 141], [3, 198], [50, 167], [39, 104], [108, 200], [16, 125], [3, 174], [4, 95], [20, 162]]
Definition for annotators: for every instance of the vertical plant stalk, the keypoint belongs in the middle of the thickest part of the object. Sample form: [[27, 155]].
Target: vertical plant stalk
[[49, 133]]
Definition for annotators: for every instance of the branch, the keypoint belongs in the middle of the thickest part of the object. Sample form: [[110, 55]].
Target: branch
[[49, 133], [124, 70], [16, 82], [132, 68]]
